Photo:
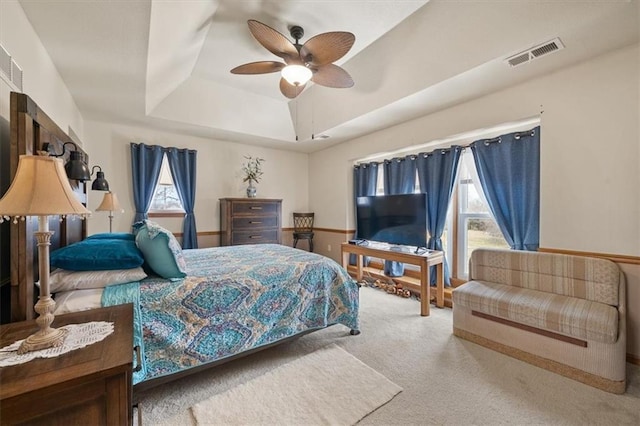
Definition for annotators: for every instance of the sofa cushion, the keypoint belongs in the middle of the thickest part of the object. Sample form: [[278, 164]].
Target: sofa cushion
[[571, 316], [576, 276]]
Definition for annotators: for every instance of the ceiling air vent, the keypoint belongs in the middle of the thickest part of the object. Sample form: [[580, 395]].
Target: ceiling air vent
[[535, 52]]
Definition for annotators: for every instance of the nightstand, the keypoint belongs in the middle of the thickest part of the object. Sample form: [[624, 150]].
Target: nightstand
[[91, 386]]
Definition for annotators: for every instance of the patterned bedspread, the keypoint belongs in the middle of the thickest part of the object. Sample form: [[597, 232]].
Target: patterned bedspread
[[235, 299]]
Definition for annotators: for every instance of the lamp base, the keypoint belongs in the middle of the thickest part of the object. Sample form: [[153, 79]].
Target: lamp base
[[43, 339]]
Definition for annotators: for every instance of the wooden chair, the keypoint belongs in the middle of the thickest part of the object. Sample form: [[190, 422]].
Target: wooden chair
[[303, 228]]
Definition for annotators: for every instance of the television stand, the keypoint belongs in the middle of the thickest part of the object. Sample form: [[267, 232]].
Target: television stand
[[404, 254]]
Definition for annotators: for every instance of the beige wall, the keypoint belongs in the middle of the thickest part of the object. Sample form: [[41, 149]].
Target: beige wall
[[41, 80], [589, 152], [590, 159], [218, 175]]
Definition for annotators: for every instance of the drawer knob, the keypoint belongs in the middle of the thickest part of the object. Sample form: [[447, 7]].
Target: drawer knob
[[253, 221], [255, 237], [256, 208]]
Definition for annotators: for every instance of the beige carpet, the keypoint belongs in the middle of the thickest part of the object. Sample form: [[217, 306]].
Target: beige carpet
[[328, 386], [445, 380]]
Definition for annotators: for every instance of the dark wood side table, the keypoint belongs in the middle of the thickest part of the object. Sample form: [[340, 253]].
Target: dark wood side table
[[91, 385]]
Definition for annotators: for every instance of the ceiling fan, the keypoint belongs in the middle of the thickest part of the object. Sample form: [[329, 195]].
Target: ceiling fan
[[311, 61]]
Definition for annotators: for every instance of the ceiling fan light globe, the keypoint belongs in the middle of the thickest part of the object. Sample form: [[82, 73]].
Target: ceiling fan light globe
[[296, 75]]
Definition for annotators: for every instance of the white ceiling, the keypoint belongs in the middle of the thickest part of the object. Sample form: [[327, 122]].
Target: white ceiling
[[165, 64]]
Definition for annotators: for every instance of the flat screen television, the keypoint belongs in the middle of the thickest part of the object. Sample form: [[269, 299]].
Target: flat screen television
[[393, 219]]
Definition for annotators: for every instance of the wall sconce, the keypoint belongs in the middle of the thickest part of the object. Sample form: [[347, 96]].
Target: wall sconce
[[75, 168], [100, 184]]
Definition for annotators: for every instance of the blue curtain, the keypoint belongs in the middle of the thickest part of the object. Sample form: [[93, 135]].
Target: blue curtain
[[365, 182], [182, 163], [399, 178], [437, 175], [145, 170], [400, 175], [509, 172]]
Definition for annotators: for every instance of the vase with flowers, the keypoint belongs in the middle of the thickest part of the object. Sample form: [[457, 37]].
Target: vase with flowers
[[252, 170]]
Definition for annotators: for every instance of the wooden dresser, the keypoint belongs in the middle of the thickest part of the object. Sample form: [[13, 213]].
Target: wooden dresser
[[250, 221], [91, 385]]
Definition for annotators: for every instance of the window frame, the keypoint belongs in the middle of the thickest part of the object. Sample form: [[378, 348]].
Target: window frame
[[165, 212]]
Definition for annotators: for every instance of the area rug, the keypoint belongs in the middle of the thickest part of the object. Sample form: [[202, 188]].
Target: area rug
[[329, 386]]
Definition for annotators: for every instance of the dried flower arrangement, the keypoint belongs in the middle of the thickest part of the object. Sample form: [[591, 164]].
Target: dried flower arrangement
[[252, 169]]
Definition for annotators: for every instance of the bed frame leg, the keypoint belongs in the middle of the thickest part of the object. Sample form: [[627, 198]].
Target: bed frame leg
[[354, 332]]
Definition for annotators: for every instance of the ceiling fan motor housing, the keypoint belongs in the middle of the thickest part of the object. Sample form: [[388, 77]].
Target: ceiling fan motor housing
[[296, 32]]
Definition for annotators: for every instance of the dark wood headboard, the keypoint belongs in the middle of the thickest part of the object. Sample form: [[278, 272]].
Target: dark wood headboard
[[30, 127]]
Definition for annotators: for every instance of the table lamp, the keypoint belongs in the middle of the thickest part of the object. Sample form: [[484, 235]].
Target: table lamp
[[110, 204], [41, 188]]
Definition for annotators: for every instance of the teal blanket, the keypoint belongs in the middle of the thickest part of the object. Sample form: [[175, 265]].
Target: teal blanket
[[234, 299], [129, 293]]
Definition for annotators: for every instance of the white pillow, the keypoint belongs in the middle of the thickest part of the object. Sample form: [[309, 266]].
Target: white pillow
[[78, 300], [64, 280]]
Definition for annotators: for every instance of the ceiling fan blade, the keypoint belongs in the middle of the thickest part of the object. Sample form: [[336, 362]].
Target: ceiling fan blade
[[262, 67], [289, 90], [326, 48], [332, 76], [273, 41]]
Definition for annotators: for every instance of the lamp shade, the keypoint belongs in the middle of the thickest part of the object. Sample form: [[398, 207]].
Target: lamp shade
[[109, 203], [296, 75], [40, 188]]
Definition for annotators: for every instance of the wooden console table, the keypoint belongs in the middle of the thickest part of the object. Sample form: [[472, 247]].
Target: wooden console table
[[404, 255]]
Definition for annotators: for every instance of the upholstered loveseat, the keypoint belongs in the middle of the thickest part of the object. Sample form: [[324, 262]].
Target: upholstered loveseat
[[564, 313]]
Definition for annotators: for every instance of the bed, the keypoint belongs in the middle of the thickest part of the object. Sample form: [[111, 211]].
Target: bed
[[224, 303]]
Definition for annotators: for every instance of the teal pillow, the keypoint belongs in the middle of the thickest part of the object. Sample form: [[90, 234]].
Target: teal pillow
[[161, 251], [97, 255], [112, 236]]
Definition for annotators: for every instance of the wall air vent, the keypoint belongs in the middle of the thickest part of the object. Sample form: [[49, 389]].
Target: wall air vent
[[535, 52], [10, 72], [5, 62]]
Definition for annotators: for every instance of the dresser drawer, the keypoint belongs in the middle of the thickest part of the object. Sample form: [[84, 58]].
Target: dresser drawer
[[254, 208], [250, 221], [255, 222], [256, 237]]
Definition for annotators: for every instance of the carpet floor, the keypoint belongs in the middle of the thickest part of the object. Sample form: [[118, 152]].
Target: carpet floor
[[445, 380]]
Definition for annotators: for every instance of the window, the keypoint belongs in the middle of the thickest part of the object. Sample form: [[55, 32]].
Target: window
[[474, 227], [470, 223], [165, 198], [380, 182], [475, 224]]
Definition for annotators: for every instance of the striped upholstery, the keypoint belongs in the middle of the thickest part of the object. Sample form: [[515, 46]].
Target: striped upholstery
[[571, 316], [576, 276], [527, 305]]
